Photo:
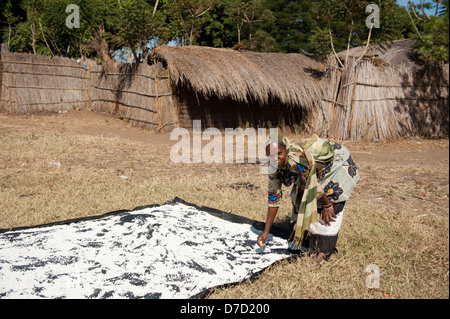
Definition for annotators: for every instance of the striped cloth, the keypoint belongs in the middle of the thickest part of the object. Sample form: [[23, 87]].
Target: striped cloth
[[307, 153]]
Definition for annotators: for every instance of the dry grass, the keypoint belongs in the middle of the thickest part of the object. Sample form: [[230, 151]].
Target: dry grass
[[412, 259], [397, 218]]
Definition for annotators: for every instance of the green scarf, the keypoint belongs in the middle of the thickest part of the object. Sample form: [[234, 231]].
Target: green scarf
[[307, 153]]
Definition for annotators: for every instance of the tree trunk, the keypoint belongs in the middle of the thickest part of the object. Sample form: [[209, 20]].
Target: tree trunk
[[155, 8], [33, 38], [45, 40], [99, 44], [9, 35], [144, 49], [239, 33], [191, 36], [250, 35]]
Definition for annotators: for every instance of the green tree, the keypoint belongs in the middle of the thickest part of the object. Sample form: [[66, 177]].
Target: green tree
[[431, 36], [313, 26], [137, 22], [71, 42], [248, 13], [188, 17], [291, 25], [219, 28], [345, 22], [104, 27], [319, 42], [25, 37], [43, 28], [9, 16]]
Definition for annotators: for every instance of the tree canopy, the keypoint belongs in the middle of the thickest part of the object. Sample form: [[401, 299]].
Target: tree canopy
[[316, 27]]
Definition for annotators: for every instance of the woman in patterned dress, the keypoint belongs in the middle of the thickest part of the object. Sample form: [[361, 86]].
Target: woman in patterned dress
[[323, 175]]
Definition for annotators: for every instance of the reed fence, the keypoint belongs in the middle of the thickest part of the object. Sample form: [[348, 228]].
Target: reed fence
[[33, 84], [362, 102], [367, 103]]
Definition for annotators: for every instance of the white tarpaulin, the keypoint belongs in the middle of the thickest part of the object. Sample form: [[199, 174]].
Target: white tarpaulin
[[176, 250]]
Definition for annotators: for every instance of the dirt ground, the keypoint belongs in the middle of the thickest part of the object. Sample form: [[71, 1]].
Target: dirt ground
[[405, 173], [62, 166]]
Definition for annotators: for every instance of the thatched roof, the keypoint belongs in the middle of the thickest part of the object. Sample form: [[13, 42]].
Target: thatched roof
[[396, 53], [245, 76]]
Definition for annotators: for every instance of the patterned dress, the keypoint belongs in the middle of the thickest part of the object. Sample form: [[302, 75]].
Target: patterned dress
[[336, 180]]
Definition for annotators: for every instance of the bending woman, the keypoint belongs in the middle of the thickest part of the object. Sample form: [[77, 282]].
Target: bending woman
[[323, 175]]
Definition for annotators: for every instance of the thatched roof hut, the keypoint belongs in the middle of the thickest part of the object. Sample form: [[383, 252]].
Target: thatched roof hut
[[250, 87], [387, 95], [222, 87]]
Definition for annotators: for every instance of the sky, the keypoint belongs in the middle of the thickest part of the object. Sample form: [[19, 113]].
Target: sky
[[428, 11]]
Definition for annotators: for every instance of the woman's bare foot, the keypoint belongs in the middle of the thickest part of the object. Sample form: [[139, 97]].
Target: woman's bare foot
[[320, 259]]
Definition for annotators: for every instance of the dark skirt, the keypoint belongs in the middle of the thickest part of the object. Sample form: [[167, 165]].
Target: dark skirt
[[323, 241]]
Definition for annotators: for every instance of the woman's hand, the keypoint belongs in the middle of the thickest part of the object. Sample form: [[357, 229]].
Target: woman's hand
[[262, 239], [327, 214]]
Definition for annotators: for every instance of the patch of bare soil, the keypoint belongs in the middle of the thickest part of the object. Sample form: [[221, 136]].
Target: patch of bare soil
[[405, 174]]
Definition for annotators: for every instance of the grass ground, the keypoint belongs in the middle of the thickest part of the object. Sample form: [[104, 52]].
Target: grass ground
[[82, 164]]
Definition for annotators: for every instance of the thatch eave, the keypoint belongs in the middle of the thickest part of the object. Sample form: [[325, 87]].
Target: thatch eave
[[244, 76]]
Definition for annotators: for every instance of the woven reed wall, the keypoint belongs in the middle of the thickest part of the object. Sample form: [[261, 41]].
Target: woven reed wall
[[367, 103], [33, 84], [140, 95], [362, 103]]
